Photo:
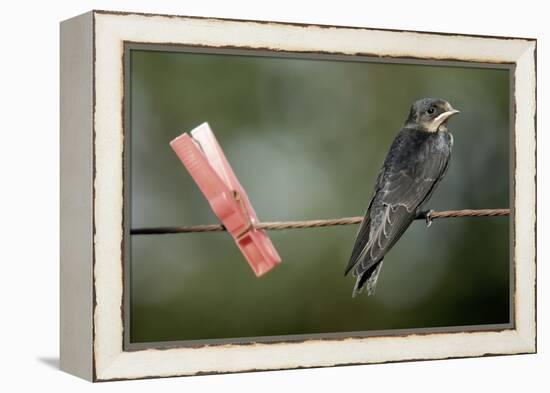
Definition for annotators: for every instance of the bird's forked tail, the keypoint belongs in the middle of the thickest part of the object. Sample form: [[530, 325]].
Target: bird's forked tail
[[368, 279]]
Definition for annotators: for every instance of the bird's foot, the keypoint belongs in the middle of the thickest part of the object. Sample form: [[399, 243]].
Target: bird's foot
[[427, 215]]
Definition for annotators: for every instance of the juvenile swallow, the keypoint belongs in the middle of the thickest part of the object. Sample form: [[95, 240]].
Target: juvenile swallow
[[415, 164]]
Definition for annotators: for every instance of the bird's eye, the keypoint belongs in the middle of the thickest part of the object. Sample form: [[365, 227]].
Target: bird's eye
[[431, 111]]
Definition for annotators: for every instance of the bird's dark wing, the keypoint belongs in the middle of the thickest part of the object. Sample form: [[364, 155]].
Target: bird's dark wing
[[412, 169], [362, 236]]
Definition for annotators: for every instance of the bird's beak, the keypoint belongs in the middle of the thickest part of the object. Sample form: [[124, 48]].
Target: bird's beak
[[453, 112], [444, 116]]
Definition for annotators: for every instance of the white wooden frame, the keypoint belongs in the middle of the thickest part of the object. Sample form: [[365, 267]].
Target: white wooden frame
[[92, 203]]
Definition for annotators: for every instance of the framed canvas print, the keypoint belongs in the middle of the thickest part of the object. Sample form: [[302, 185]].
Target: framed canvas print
[[245, 195]]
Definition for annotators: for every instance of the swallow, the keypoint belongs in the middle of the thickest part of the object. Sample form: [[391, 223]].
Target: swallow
[[414, 165]]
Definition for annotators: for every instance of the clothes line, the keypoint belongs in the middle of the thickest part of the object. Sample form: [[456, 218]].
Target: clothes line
[[282, 225]]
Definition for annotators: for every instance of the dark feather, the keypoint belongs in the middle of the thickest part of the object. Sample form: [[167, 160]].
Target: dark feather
[[369, 279]]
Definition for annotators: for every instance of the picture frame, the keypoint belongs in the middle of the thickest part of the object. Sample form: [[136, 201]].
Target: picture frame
[[94, 193]]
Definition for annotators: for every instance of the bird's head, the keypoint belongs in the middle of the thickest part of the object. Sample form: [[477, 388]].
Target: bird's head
[[430, 115]]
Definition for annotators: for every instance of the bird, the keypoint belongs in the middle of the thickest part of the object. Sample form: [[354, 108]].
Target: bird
[[416, 162]]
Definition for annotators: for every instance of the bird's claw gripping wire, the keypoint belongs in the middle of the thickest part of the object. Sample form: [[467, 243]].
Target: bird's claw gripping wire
[[427, 215]]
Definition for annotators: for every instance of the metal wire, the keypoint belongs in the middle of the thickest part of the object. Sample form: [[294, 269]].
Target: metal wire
[[280, 225]]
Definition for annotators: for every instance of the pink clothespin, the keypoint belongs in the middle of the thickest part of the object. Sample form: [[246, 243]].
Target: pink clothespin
[[204, 159]]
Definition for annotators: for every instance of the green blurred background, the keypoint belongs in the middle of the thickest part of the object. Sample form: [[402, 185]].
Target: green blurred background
[[306, 139]]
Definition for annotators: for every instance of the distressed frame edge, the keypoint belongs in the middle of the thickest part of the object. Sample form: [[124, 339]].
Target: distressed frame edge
[[303, 24], [526, 338], [525, 223], [76, 196]]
